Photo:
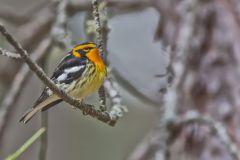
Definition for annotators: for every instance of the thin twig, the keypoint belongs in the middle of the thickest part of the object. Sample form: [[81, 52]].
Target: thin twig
[[18, 83], [5, 52], [99, 36], [87, 109], [26, 145]]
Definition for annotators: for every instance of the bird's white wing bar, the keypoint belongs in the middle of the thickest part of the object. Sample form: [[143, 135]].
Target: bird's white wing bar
[[73, 69], [62, 77]]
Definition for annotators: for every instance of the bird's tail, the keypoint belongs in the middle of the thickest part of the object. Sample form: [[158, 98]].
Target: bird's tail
[[49, 102]]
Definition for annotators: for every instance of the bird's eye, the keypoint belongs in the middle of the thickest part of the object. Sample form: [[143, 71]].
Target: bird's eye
[[87, 49]]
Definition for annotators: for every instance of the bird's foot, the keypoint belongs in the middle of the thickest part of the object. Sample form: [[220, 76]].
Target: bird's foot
[[103, 108], [87, 108]]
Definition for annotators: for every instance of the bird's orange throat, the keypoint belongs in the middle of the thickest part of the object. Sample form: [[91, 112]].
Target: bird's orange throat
[[94, 56]]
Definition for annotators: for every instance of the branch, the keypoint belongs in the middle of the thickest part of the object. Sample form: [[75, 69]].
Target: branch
[[87, 109], [26, 145]]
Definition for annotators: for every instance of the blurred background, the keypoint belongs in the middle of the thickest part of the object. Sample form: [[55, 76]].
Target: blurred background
[[148, 42]]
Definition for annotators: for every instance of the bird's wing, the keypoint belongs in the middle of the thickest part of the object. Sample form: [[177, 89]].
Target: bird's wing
[[69, 70]]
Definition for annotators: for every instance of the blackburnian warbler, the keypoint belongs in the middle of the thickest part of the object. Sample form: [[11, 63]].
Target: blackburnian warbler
[[80, 73]]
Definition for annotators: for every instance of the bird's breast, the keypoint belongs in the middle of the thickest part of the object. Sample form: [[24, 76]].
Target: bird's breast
[[90, 82]]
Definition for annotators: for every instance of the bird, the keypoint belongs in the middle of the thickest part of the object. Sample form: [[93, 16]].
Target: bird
[[80, 73]]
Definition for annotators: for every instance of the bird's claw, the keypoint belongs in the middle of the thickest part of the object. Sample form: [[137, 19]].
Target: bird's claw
[[103, 108], [87, 109]]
